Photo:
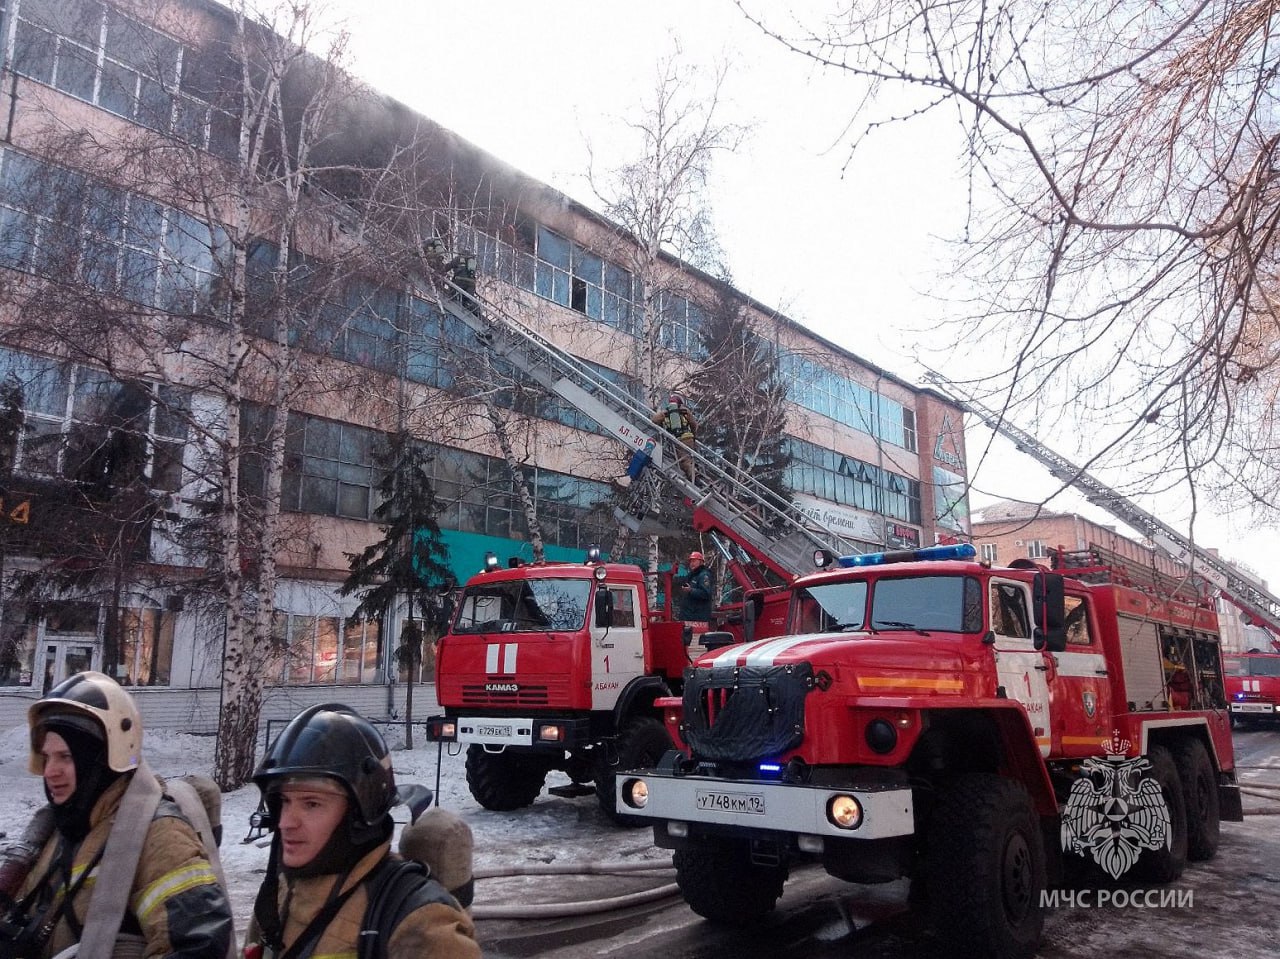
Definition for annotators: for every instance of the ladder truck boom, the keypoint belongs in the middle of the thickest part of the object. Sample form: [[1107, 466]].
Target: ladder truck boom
[[1237, 587], [729, 500]]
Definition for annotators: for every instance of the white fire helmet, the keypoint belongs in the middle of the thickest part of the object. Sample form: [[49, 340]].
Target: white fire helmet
[[101, 699]]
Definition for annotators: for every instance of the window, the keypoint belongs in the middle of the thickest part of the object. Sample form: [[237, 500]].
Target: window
[[1009, 611], [83, 424], [19, 635], [1036, 549], [318, 650], [95, 53], [54, 221], [842, 479], [848, 402], [1077, 622], [329, 468], [624, 607], [909, 430], [146, 647], [989, 553]]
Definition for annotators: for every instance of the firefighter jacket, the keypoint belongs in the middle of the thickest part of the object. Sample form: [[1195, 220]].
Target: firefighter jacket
[[176, 904], [437, 930], [695, 605]]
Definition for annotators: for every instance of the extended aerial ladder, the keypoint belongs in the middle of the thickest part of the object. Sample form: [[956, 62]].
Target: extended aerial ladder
[[727, 500], [1243, 591]]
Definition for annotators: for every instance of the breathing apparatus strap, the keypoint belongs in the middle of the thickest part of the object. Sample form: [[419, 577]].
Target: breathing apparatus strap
[[119, 865]]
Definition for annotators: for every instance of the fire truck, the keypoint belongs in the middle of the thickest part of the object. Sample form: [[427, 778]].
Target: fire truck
[[932, 717], [557, 666], [1253, 687]]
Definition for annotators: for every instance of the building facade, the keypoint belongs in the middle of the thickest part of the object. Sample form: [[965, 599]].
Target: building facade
[[172, 301]]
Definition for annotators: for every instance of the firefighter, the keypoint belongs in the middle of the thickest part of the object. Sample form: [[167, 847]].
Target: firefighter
[[90, 886], [679, 421], [328, 788], [695, 603]]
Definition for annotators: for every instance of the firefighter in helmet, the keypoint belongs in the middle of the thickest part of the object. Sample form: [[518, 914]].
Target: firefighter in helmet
[[162, 899], [678, 420], [328, 788]]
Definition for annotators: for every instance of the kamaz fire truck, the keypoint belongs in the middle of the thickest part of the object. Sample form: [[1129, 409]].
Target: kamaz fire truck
[[1253, 687], [932, 717]]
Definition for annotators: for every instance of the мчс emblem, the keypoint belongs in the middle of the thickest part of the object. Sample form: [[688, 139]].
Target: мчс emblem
[[1114, 812], [1090, 700]]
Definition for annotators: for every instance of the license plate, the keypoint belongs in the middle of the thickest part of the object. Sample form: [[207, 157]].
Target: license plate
[[1252, 707], [751, 804], [499, 731]]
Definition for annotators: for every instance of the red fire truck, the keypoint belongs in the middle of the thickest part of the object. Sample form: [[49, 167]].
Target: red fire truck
[[1253, 687], [932, 717], [557, 666]]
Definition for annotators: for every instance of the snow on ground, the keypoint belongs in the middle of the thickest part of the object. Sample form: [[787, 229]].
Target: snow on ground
[[1234, 917], [553, 830]]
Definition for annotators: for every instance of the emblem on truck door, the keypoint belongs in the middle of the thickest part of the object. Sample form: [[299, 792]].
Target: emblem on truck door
[[1090, 700]]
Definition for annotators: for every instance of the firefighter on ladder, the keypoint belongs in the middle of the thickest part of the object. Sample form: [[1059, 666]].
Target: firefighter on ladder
[[677, 420]]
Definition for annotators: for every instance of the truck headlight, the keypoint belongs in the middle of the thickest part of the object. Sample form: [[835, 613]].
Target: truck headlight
[[635, 793], [844, 812]]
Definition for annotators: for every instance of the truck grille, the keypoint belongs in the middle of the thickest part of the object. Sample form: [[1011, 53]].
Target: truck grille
[[475, 694], [745, 713]]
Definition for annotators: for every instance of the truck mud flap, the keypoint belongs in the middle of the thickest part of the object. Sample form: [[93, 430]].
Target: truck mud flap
[[1230, 807]]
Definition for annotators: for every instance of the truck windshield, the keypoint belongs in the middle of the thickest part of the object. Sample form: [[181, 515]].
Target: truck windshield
[[946, 603], [524, 606]]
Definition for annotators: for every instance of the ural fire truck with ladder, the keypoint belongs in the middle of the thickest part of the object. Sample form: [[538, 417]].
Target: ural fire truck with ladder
[[558, 665], [982, 731]]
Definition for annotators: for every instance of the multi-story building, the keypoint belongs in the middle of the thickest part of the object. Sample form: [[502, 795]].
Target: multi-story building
[[1007, 531], [163, 287]]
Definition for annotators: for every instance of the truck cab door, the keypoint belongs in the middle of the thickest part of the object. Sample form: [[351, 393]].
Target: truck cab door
[[1022, 671], [1081, 691], [617, 645]]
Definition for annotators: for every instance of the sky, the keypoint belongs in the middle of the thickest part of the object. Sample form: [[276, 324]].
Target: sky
[[851, 246]]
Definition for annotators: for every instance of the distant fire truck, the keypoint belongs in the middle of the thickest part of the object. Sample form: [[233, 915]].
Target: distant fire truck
[[1253, 687], [932, 717]]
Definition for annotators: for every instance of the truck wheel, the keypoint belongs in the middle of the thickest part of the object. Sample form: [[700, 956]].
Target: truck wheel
[[985, 867], [641, 743], [1166, 864], [503, 781], [1200, 796], [721, 883]]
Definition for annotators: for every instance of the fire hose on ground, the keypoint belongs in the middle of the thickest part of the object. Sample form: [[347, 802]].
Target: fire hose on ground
[[555, 910]]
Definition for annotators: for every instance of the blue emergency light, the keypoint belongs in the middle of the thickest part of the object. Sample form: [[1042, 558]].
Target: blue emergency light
[[958, 551]]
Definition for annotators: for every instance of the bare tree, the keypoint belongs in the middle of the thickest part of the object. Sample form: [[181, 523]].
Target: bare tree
[[236, 245], [658, 199], [1119, 257]]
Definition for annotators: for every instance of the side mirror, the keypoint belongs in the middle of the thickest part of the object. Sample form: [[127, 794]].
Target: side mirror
[[604, 608], [1050, 603], [751, 610], [1038, 638], [718, 640]]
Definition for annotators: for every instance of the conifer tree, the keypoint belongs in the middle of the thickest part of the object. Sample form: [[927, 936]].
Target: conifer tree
[[408, 561]]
